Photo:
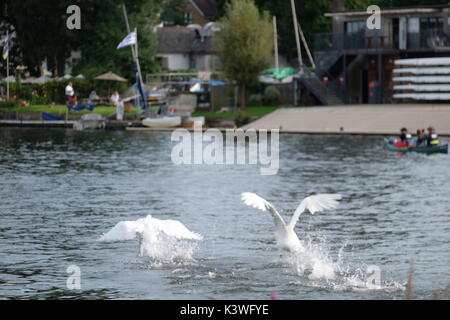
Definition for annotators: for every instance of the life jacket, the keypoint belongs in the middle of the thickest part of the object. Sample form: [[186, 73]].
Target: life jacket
[[434, 141], [400, 144]]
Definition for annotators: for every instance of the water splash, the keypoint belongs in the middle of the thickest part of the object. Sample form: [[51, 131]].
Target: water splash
[[161, 240], [317, 265]]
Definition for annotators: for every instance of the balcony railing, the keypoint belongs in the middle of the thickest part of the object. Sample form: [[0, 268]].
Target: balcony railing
[[428, 39]]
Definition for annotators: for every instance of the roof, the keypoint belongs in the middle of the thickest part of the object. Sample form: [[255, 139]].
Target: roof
[[207, 8], [111, 77], [183, 40], [395, 10]]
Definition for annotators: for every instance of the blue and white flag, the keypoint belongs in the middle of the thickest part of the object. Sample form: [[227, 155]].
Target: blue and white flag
[[129, 40], [6, 47]]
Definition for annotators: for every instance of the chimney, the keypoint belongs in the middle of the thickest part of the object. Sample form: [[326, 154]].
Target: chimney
[[337, 5]]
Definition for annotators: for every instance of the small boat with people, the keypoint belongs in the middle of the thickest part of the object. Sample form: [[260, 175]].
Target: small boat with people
[[422, 143], [431, 149]]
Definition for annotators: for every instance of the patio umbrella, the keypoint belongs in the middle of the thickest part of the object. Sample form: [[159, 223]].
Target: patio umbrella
[[110, 76]]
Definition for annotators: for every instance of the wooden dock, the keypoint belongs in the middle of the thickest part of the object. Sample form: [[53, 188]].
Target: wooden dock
[[37, 123]]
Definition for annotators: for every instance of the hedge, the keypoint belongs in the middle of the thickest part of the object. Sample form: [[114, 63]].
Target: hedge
[[54, 91]]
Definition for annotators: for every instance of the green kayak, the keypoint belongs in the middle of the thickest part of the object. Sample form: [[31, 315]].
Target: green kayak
[[434, 149]]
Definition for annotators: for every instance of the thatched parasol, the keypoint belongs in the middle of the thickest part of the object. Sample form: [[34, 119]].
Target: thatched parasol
[[109, 76]]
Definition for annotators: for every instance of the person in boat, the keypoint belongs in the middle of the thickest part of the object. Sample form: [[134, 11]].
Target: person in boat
[[405, 138], [420, 139], [432, 137]]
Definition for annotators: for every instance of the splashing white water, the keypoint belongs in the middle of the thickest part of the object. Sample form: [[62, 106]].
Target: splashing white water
[[162, 240], [314, 261], [317, 264]]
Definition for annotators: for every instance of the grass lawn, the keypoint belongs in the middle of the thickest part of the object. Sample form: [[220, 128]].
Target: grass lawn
[[249, 112], [60, 110]]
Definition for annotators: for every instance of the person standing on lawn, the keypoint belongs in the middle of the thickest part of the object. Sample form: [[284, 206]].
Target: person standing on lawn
[[69, 92]]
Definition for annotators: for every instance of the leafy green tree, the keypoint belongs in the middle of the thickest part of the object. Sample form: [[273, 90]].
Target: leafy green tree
[[244, 44], [102, 35], [42, 34], [172, 12]]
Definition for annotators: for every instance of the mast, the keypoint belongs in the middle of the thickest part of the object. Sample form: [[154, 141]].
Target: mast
[[275, 41], [134, 52], [7, 65], [297, 39], [306, 47]]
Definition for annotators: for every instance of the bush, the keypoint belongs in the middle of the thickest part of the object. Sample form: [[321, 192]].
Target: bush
[[8, 103], [54, 91], [271, 95], [255, 100]]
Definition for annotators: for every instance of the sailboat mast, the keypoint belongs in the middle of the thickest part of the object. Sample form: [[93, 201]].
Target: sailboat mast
[[275, 41], [128, 28], [297, 38], [7, 66], [306, 47], [134, 52]]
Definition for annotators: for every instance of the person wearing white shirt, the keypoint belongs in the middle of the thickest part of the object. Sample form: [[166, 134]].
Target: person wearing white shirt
[[115, 98], [69, 91]]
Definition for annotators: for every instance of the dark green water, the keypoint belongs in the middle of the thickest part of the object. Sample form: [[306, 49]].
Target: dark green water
[[60, 190]]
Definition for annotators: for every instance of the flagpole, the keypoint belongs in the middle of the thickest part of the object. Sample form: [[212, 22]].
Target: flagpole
[[138, 67], [7, 67], [134, 51], [128, 27], [297, 38]]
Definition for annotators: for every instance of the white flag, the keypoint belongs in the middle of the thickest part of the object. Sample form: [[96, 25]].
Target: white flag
[[128, 40]]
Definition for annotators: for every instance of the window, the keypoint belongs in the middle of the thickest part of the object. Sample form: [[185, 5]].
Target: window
[[431, 23], [352, 27], [188, 17]]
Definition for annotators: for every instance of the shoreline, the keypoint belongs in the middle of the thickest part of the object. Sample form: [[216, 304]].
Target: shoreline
[[376, 120]]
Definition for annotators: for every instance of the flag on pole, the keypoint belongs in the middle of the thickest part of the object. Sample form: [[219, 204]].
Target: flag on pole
[[129, 40], [6, 48]]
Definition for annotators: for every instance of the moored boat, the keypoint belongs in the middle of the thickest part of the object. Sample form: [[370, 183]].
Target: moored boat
[[162, 122]]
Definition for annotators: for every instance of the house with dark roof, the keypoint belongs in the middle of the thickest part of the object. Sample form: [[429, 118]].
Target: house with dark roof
[[201, 11], [187, 48], [358, 61]]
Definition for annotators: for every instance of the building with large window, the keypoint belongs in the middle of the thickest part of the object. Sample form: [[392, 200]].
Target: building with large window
[[358, 62]]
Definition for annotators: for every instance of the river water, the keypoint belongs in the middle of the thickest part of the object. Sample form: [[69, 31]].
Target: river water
[[61, 190]]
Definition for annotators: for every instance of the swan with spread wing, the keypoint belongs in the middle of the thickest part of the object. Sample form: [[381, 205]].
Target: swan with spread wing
[[284, 233]]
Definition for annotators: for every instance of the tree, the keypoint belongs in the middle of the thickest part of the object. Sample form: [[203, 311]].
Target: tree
[[41, 34], [244, 44], [173, 12], [101, 35]]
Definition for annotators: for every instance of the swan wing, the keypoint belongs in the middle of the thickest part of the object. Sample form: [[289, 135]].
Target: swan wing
[[174, 229], [255, 201], [127, 230], [315, 203], [123, 230]]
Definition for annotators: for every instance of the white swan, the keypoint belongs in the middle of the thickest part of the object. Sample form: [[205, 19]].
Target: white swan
[[149, 226], [159, 239], [284, 234]]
